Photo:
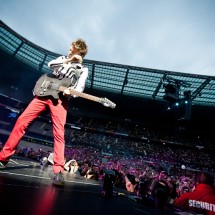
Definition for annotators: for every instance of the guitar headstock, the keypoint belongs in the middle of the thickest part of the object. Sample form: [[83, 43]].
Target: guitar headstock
[[107, 103]]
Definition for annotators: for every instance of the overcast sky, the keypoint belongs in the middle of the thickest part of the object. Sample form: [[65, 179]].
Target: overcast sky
[[173, 35]]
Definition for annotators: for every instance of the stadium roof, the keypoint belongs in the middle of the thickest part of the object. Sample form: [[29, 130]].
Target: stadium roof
[[113, 78]]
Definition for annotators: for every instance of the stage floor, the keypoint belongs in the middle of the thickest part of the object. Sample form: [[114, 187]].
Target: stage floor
[[26, 188]]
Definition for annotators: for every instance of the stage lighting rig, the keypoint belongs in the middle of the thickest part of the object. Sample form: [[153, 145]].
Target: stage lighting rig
[[172, 89], [171, 92]]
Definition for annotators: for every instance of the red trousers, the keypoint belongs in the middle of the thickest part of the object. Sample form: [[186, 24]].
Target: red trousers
[[58, 110]]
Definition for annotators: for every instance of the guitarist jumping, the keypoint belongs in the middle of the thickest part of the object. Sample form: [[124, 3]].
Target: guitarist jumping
[[72, 74]]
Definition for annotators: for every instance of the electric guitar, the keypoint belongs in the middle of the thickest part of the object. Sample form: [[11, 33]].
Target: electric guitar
[[47, 85]]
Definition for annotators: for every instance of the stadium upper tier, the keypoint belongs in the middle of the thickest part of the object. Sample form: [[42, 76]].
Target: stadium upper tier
[[120, 80]]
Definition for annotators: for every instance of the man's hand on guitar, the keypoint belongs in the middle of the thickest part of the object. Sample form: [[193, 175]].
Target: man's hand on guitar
[[67, 92]]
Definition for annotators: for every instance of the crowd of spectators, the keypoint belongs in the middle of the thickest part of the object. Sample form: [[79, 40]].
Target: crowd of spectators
[[171, 154]]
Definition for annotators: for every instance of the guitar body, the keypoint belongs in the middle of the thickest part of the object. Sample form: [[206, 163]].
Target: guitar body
[[48, 85]]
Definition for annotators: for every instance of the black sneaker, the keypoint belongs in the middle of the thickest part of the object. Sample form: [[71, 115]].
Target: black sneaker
[[58, 179], [3, 165]]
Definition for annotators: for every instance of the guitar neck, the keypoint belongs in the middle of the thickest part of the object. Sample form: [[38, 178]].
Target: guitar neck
[[79, 94]]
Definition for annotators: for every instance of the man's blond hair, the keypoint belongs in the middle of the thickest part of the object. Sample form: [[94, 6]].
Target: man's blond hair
[[81, 46]]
